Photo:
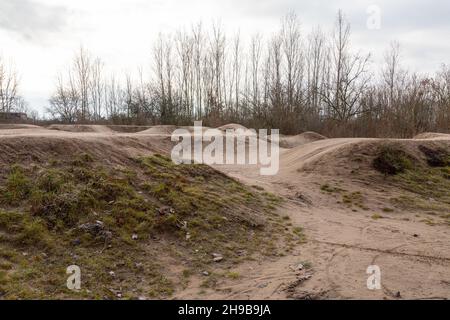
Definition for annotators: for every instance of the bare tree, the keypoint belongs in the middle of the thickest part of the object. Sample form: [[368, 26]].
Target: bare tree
[[9, 84], [96, 88], [441, 87], [394, 76], [82, 72], [315, 68], [185, 48], [255, 57], [64, 104], [164, 67], [349, 76], [197, 57], [293, 56], [235, 83], [113, 98], [216, 59]]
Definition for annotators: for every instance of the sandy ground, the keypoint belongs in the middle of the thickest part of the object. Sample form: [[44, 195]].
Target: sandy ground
[[414, 257]]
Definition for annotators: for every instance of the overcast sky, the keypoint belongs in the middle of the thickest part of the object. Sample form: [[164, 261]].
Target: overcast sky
[[42, 35]]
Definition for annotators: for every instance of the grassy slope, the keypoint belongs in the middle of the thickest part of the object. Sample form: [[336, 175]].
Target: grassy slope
[[428, 189], [141, 229], [412, 177]]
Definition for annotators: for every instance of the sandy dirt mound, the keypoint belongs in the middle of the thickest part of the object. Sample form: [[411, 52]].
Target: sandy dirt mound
[[344, 156], [18, 126], [169, 129], [192, 128], [159, 130], [289, 142], [92, 186], [233, 126], [432, 135], [128, 129], [43, 146], [80, 128], [240, 130]]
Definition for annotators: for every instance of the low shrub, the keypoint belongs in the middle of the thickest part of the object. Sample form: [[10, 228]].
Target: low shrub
[[392, 160]]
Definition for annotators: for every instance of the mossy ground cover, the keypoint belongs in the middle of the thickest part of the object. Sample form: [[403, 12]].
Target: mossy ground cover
[[425, 176], [122, 225], [412, 178]]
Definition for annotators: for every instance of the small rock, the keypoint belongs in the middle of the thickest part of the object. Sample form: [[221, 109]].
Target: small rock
[[205, 273], [165, 210], [134, 237], [302, 198], [263, 285], [182, 225], [93, 228], [398, 295], [112, 273], [297, 267], [76, 242], [107, 235], [242, 253], [217, 257], [142, 298], [188, 236], [415, 235]]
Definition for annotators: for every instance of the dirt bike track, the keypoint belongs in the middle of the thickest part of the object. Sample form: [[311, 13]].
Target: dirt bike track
[[414, 257]]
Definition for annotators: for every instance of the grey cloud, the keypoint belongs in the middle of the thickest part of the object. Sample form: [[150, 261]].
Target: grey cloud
[[318, 10], [417, 14], [412, 22], [30, 19], [399, 14]]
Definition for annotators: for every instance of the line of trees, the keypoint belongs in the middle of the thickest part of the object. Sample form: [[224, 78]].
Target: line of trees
[[290, 81]]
